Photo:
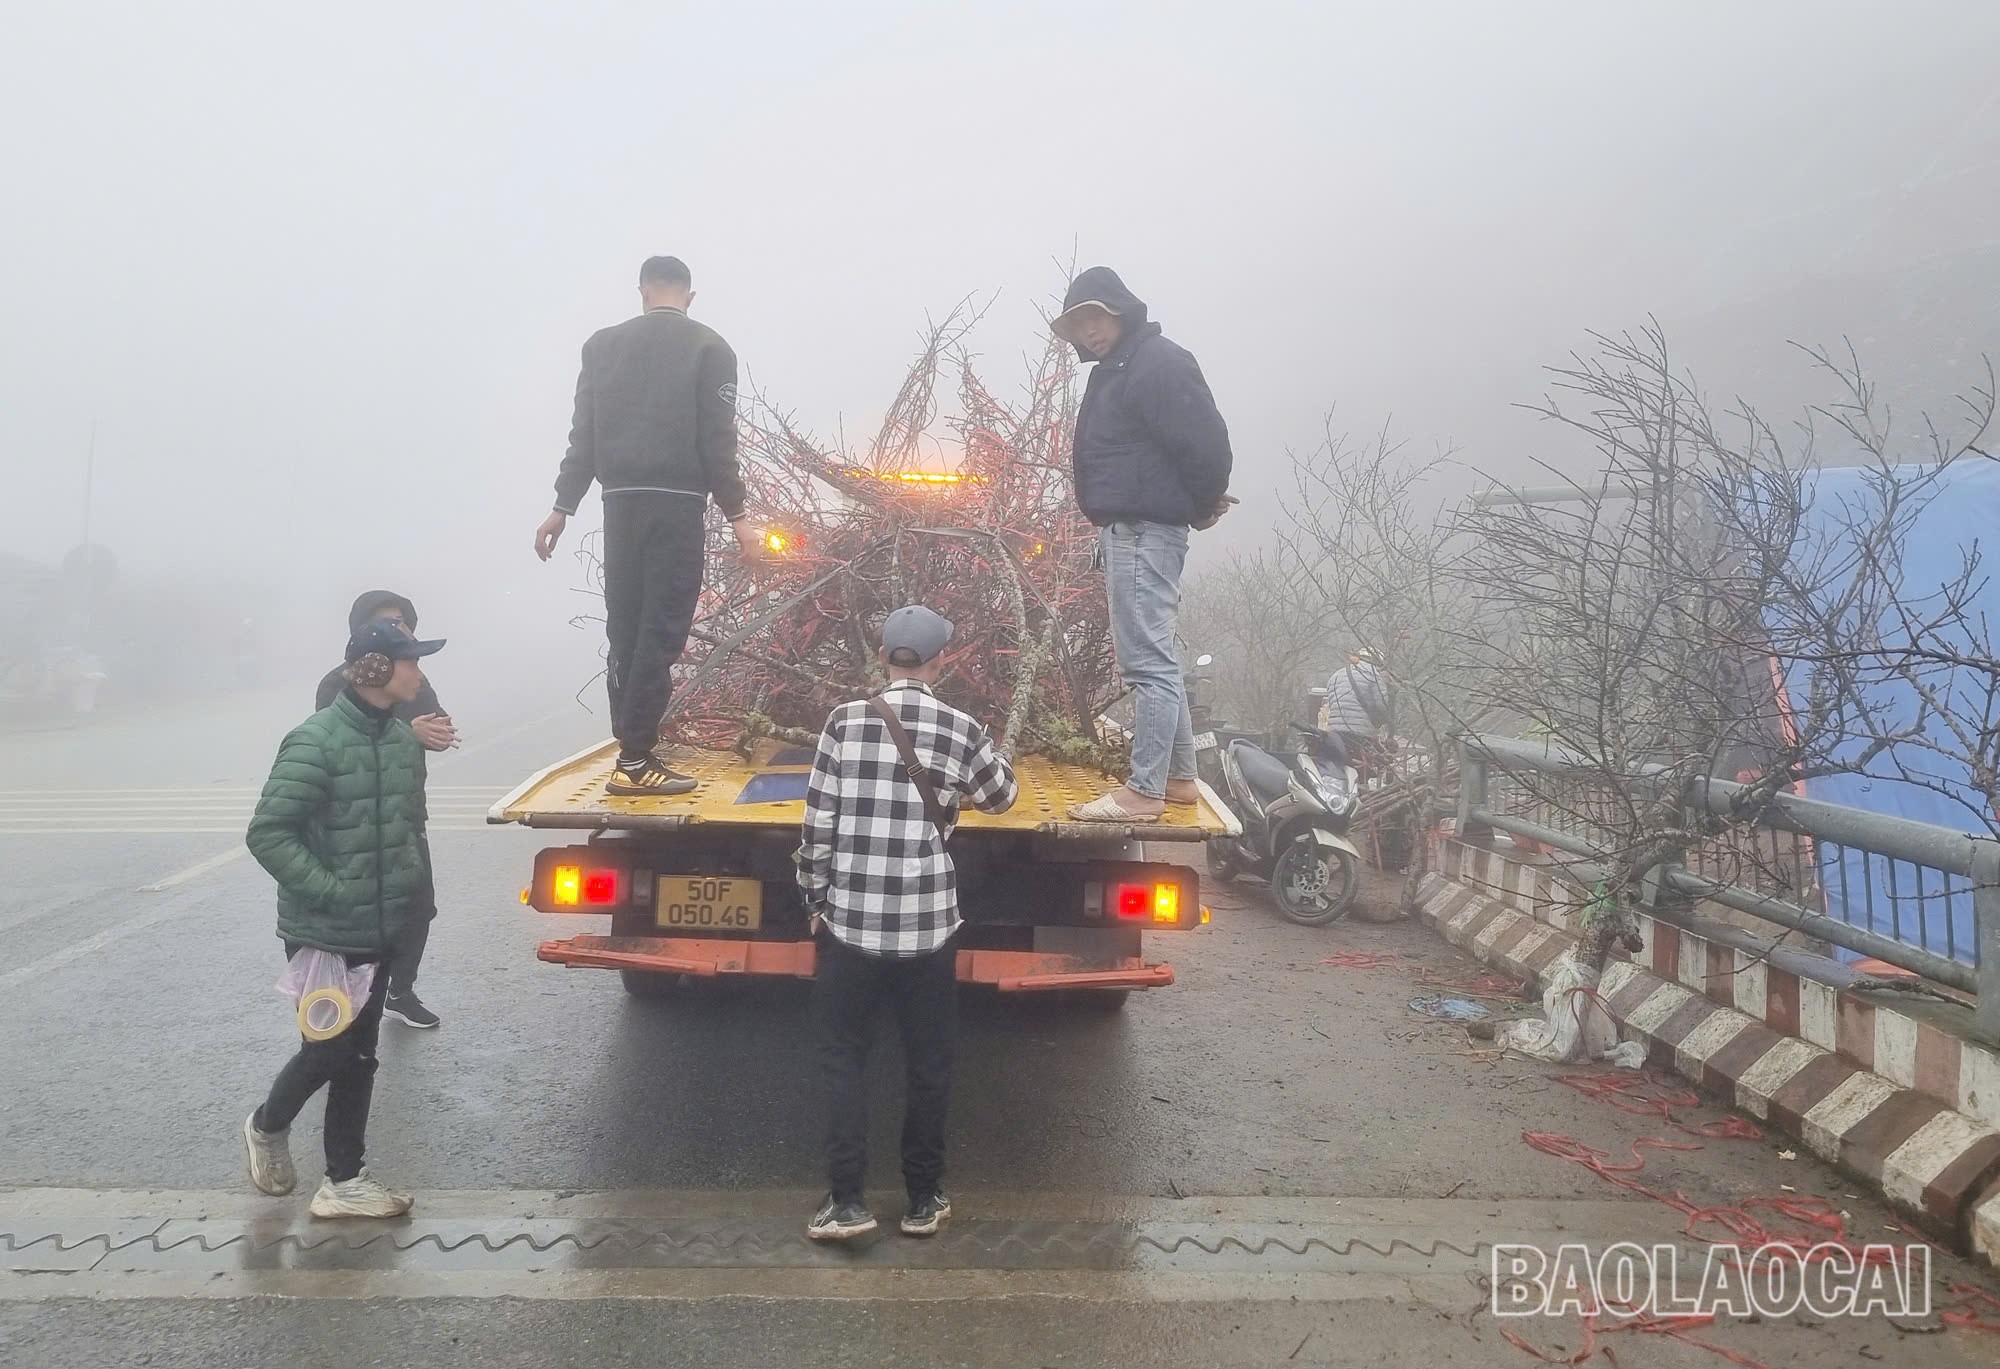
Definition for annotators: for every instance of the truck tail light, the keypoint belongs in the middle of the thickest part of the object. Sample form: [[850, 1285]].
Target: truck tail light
[[1157, 903], [583, 879], [566, 889]]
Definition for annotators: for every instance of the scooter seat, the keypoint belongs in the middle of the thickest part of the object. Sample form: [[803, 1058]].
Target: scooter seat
[[1264, 773]]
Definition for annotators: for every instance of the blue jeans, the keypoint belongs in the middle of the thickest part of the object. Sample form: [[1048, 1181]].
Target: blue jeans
[[1142, 577]]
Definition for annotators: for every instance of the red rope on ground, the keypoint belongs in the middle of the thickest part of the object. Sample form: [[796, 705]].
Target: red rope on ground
[[1673, 1328], [1977, 1310], [1361, 960], [1810, 1223], [1814, 1223], [1649, 1095], [1474, 985]]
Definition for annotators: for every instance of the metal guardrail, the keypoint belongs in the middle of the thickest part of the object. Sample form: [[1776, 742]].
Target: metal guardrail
[[1815, 865]]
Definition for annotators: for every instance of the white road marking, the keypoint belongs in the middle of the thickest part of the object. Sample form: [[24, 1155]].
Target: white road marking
[[197, 870], [207, 811], [76, 950]]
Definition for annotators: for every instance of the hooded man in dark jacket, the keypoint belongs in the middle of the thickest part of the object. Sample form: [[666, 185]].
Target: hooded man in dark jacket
[[655, 430], [1152, 461], [434, 728]]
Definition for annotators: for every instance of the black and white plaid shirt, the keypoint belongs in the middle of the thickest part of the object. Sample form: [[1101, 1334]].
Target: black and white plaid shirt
[[871, 862]]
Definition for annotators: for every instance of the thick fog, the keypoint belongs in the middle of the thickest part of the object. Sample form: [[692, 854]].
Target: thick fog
[[317, 281]]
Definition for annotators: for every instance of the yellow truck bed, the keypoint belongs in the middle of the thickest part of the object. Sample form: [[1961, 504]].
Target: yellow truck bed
[[768, 790]]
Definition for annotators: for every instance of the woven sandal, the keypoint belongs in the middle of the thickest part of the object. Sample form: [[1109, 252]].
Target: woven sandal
[[1106, 808]]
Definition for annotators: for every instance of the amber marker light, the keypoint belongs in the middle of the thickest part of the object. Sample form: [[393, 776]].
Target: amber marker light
[[566, 889]]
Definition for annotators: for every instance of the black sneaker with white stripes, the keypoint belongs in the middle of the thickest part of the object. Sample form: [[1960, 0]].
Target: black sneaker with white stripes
[[647, 776], [836, 1221]]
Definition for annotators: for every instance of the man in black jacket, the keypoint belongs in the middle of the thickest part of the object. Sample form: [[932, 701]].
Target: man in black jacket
[[656, 429], [1152, 461], [435, 729]]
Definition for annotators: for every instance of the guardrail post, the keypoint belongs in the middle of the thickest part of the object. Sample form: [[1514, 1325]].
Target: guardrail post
[[1472, 778], [1986, 915]]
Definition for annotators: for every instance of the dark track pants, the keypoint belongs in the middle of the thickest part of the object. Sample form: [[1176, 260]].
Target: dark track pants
[[409, 955], [653, 553], [345, 1067], [849, 992]]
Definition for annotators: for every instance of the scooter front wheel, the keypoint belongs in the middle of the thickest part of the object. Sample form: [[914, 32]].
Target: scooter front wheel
[[1314, 887], [1223, 863]]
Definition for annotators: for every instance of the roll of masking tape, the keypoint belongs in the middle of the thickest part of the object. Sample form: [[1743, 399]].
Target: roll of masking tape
[[325, 1013]]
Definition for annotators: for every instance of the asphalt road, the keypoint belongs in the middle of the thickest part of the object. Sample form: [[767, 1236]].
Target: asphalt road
[[1096, 1158]]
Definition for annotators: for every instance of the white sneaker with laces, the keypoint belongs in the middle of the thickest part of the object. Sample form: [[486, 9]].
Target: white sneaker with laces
[[270, 1155], [361, 1196]]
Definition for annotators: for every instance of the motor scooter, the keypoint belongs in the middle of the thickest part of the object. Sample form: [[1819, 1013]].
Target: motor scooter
[[1294, 814]]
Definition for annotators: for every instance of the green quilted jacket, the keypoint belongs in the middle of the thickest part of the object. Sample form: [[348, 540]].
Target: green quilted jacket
[[340, 826]]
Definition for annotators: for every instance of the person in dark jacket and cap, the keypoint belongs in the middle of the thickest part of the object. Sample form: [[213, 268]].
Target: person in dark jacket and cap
[[1152, 461], [340, 826], [434, 728]]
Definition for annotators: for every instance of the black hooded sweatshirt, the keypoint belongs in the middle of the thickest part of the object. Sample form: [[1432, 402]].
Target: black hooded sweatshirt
[[1150, 444], [365, 608]]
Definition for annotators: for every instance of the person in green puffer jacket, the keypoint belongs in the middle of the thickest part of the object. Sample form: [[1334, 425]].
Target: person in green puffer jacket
[[341, 828]]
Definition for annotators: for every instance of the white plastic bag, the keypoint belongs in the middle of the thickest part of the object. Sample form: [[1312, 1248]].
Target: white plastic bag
[[1630, 1055], [1573, 1026], [328, 991]]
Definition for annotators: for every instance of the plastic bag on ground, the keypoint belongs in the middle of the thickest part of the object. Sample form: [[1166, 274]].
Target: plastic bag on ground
[[1630, 1055], [328, 991], [1573, 1027]]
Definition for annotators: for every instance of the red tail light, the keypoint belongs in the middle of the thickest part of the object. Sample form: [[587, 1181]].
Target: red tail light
[[1157, 903], [581, 879]]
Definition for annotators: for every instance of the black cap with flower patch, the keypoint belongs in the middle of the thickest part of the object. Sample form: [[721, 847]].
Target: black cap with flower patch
[[379, 638]]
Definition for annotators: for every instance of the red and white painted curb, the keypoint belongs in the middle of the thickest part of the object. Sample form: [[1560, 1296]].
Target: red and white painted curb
[[1931, 1160]]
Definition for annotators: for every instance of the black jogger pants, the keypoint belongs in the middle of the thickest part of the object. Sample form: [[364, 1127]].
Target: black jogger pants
[[653, 553]]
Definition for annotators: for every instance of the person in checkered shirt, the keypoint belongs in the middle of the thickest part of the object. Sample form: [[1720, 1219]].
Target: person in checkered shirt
[[883, 893]]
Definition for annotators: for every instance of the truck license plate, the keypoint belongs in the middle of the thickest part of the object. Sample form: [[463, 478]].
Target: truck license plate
[[702, 903]]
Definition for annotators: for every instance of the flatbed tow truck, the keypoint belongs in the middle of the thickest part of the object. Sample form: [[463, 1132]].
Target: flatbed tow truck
[[701, 885]]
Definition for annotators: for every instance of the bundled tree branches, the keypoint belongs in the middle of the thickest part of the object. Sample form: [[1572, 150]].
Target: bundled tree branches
[[987, 535]]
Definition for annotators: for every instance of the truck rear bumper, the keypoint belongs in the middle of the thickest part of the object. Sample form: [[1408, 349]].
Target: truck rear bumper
[[1007, 971]]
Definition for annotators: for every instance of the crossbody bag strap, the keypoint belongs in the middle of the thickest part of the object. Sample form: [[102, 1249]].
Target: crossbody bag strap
[[912, 767]]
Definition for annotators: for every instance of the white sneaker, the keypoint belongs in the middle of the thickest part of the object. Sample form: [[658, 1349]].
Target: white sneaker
[[361, 1196], [270, 1159]]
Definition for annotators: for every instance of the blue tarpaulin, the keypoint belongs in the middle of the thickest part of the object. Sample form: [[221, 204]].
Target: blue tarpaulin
[[1895, 899]]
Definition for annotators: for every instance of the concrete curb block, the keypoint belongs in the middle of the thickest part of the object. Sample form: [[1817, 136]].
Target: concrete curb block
[[1933, 1163]]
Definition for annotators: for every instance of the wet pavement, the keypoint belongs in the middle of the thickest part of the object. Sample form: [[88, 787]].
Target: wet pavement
[[1274, 1161]]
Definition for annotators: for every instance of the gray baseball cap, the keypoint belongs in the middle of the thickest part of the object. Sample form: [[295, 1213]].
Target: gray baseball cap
[[915, 629]]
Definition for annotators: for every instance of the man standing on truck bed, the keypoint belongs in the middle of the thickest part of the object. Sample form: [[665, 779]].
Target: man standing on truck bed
[[1152, 460], [874, 869], [655, 427]]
